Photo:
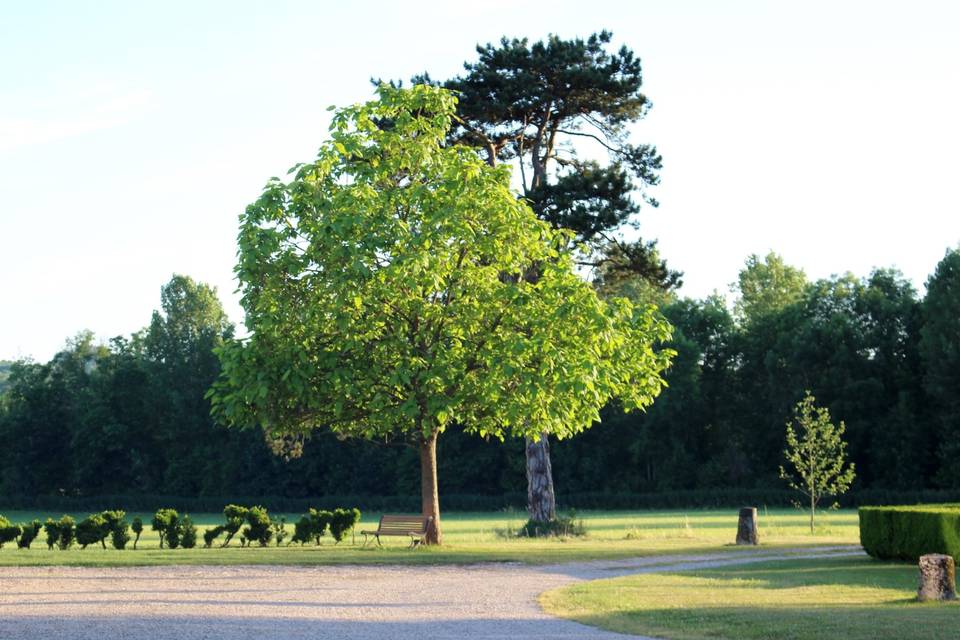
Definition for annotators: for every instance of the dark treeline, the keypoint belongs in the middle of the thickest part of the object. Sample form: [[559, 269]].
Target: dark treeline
[[131, 418]]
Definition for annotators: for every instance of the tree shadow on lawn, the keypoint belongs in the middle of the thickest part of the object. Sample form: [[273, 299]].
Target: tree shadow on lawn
[[913, 620], [847, 572]]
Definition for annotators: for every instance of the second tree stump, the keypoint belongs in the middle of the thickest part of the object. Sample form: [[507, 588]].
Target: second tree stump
[[747, 527]]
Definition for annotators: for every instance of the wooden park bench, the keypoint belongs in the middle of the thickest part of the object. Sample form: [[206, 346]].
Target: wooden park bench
[[399, 525]]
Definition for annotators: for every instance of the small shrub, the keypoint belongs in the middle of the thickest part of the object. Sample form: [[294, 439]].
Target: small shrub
[[174, 532], [259, 529], [52, 530], [120, 536], [91, 530], [279, 527], [302, 530], [137, 527], [188, 533], [343, 520], [28, 534], [8, 531], [212, 534], [116, 528], [235, 516], [165, 522], [68, 531], [319, 521], [562, 527]]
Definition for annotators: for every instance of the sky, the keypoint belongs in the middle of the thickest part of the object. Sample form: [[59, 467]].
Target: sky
[[132, 135]]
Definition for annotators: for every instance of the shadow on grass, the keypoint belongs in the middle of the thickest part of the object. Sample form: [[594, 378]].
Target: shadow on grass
[[916, 621], [848, 572]]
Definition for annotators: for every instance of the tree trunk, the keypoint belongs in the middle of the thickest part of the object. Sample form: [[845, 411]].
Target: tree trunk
[[429, 494], [541, 501]]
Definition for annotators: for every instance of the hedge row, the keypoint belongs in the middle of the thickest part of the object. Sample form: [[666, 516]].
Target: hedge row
[[694, 499], [179, 531], [908, 532]]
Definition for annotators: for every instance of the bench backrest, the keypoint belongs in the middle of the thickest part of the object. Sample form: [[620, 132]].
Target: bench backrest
[[404, 524]]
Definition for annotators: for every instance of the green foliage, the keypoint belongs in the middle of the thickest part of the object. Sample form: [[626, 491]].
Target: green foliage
[[188, 533], [91, 530], [342, 521], [5, 367], [767, 286], [940, 350], [302, 530], [314, 524], [211, 534], [8, 531], [818, 455], [320, 521], [165, 522], [906, 533], [52, 530], [66, 527], [259, 529], [279, 528], [137, 528], [28, 533], [235, 516], [120, 536]]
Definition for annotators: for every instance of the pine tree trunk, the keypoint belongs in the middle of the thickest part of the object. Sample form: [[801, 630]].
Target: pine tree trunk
[[541, 501], [429, 494]]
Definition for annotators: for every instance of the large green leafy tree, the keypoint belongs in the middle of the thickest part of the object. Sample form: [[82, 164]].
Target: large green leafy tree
[[552, 108], [397, 286], [178, 348], [940, 349]]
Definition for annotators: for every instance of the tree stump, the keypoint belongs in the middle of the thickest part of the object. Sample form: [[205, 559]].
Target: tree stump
[[747, 526], [938, 578]]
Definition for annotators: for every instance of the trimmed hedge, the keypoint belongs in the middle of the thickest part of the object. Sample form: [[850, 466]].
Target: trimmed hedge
[[908, 532]]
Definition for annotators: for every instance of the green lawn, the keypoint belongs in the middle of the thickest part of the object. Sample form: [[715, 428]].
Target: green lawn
[[849, 598], [469, 538]]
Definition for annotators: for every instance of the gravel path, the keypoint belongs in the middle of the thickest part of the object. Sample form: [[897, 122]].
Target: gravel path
[[342, 602]]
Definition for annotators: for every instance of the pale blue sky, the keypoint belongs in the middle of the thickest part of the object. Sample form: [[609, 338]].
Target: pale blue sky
[[133, 134]]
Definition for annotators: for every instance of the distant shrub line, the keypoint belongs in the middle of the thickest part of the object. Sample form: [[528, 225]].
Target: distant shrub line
[[254, 525]]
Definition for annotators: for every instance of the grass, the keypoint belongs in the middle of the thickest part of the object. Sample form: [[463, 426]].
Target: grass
[[469, 538], [850, 598]]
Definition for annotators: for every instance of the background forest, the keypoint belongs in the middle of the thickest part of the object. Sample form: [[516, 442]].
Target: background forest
[[130, 417]]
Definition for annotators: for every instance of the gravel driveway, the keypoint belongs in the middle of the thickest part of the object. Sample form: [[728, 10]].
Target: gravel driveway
[[342, 602]]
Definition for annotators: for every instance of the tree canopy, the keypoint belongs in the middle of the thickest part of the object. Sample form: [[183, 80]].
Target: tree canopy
[[396, 286], [541, 104]]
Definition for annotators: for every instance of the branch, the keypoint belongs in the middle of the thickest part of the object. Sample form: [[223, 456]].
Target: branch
[[590, 135]]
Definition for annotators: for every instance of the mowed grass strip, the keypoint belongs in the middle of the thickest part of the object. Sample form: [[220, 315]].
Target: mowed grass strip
[[850, 598], [468, 538]]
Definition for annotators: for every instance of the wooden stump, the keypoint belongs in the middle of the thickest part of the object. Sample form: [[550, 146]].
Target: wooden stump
[[747, 526], [938, 578]]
